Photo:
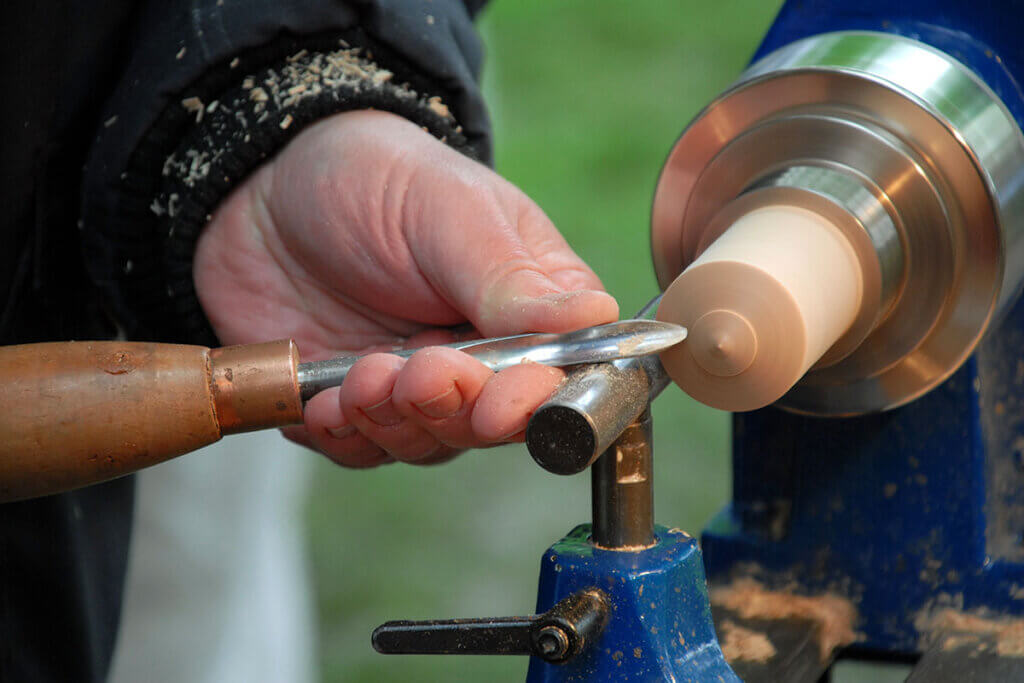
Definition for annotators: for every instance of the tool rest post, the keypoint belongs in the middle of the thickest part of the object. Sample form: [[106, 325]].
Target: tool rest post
[[622, 489]]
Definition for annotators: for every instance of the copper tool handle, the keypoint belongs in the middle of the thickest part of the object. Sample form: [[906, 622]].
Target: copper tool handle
[[78, 413]]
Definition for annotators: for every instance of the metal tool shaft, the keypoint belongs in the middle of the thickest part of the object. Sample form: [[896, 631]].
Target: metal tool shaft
[[619, 340]]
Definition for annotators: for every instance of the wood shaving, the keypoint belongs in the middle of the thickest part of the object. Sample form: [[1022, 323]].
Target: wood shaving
[[173, 204], [743, 644], [302, 76], [834, 615], [958, 626], [439, 107], [192, 168], [194, 105]]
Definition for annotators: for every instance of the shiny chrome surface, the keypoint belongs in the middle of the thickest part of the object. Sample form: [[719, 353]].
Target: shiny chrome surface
[[614, 341], [939, 154]]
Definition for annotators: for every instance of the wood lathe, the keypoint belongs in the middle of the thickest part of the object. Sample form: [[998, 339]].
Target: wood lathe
[[842, 231]]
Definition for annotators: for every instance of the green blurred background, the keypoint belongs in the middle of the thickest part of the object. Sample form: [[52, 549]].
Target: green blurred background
[[587, 97]]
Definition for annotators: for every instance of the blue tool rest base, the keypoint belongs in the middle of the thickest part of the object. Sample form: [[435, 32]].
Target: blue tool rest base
[[921, 507], [659, 627]]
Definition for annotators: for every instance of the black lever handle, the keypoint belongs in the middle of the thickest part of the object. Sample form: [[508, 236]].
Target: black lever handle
[[556, 636]]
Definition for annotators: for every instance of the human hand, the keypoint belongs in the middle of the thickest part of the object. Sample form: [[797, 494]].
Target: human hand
[[366, 234]]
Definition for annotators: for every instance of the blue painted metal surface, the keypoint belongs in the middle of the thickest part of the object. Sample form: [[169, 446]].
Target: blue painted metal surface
[[659, 628], [922, 506]]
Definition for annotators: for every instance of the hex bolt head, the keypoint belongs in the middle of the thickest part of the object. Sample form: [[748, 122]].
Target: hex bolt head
[[552, 643]]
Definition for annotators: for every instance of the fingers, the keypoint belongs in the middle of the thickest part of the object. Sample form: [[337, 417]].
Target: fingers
[[424, 410], [503, 282], [366, 403], [438, 389], [327, 431], [488, 249], [555, 255], [510, 399]]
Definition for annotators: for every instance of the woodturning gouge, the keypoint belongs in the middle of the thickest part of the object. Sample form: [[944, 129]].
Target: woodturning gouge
[[77, 413]]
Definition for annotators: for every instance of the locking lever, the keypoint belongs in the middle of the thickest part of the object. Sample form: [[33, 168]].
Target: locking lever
[[556, 636]]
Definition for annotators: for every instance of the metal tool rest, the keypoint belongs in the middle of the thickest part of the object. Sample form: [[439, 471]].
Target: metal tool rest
[[636, 591]]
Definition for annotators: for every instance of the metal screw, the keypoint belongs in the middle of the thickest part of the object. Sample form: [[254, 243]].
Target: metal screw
[[552, 643]]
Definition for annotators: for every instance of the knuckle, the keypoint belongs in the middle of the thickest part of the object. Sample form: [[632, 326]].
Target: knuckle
[[366, 454], [412, 450]]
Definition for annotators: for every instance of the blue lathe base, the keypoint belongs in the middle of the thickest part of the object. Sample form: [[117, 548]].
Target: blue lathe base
[[660, 626]]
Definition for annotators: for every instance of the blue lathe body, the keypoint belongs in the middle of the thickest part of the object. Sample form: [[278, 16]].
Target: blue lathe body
[[920, 508], [878, 505]]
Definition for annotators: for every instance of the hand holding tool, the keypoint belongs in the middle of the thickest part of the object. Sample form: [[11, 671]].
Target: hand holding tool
[[77, 413], [623, 339]]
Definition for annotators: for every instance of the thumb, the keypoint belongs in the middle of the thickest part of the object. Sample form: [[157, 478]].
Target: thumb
[[493, 255]]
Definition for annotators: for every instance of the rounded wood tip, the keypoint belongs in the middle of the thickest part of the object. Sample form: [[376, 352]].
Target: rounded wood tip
[[723, 343], [762, 303]]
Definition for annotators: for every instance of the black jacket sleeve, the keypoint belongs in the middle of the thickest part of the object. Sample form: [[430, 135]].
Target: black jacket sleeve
[[215, 87], [189, 112]]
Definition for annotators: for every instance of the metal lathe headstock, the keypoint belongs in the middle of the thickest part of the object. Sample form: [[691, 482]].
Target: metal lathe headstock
[[874, 150]]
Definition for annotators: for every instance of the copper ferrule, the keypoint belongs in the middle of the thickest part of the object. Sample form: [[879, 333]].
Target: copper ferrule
[[256, 386]]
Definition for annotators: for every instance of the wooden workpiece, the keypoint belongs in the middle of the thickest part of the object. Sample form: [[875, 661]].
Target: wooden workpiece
[[762, 303]]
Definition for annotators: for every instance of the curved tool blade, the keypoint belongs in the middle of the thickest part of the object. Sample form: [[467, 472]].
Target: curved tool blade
[[623, 339]]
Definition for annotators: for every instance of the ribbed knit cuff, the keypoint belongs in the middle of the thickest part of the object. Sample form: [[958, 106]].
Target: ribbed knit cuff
[[221, 135]]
